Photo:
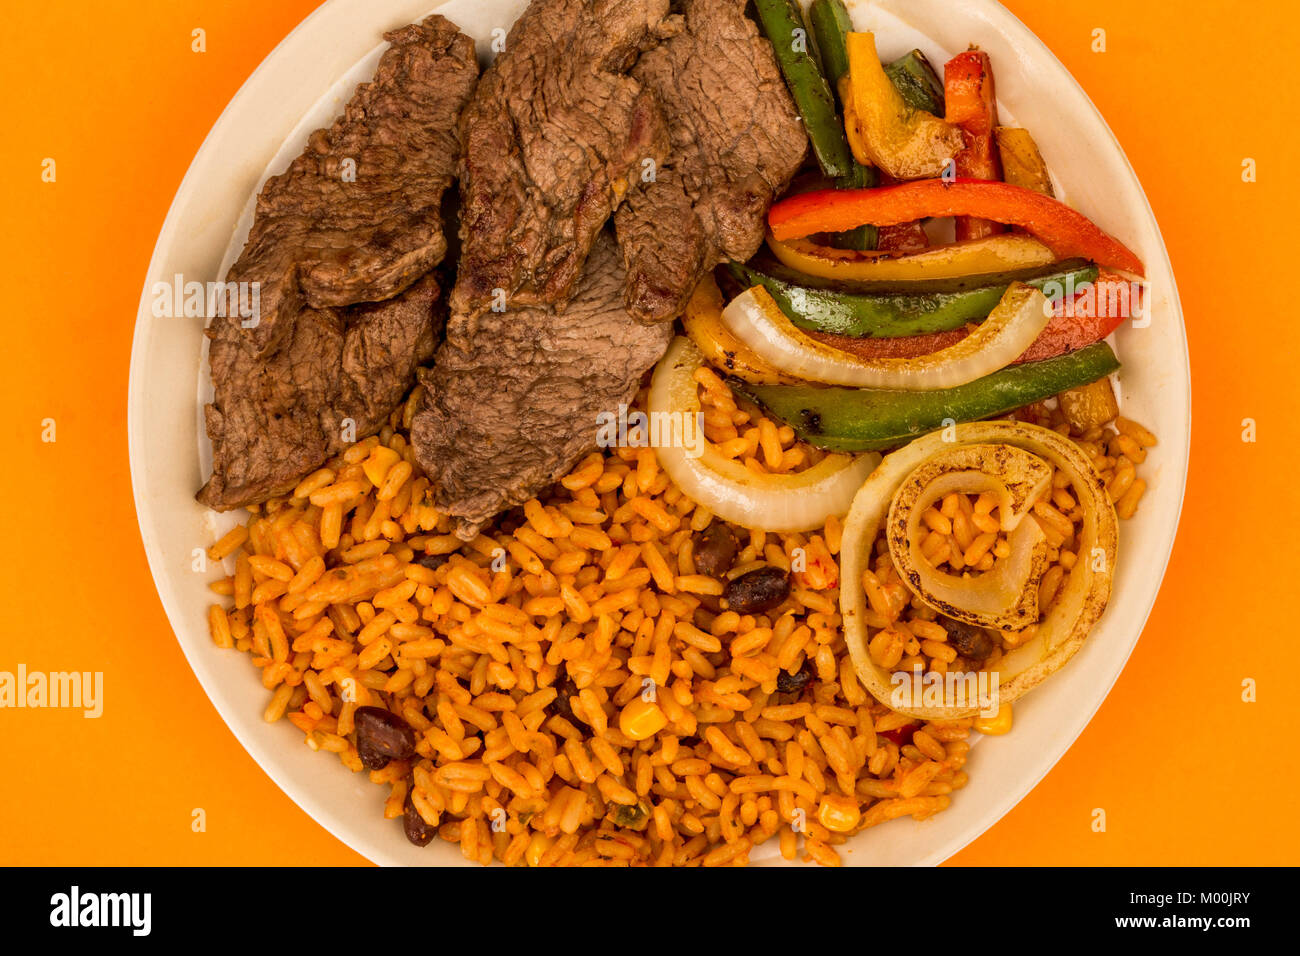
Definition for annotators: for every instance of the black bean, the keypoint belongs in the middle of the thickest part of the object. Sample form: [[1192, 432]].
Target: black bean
[[382, 736], [758, 591], [715, 550], [432, 561], [564, 689], [787, 683], [371, 758], [971, 642], [417, 831]]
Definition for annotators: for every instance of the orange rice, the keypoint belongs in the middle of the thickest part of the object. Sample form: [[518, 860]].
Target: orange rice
[[598, 578]]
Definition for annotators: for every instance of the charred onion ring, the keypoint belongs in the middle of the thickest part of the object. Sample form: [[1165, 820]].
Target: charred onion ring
[[1007, 596], [780, 503], [1079, 602], [758, 322]]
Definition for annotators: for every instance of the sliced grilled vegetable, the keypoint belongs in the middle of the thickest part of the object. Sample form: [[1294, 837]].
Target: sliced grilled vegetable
[[703, 323], [973, 106], [781, 503], [906, 346], [902, 239], [1076, 324], [1076, 608], [1088, 406], [783, 24], [1022, 163], [1001, 598], [1066, 231], [917, 82], [883, 129], [896, 309], [995, 254], [859, 419], [754, 318], [863, 238], [831, 24], [1092, 315]]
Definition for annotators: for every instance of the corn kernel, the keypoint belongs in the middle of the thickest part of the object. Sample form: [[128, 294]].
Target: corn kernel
[[381, 459], [537, 848], [641, 719], [997, 725], [838, 813]]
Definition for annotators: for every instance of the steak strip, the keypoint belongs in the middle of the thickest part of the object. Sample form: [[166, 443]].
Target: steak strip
[[356, 217], [513, 400], [341, 373], [736, 142], [552, 135], [338, 248]]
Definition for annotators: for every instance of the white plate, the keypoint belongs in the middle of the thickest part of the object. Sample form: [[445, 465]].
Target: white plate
[[266, 124]]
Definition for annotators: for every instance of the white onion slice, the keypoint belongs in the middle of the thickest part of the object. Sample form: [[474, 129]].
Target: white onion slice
[[756, 319], [1003, 596], [1079, 602], [780, 503]]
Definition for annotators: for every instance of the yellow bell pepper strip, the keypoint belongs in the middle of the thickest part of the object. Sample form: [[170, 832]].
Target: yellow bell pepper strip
[[703, 323], [883, 129], [973, 106], [1067, 232], [978, 257]]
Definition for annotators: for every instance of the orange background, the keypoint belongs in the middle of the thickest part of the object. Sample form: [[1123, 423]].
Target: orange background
[[1186, 771]]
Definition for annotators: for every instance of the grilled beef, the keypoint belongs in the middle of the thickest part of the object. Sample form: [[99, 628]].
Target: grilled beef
[[356, 217], [338, 248], [513, 399], [341, 373], [552, 135], [736, 141]]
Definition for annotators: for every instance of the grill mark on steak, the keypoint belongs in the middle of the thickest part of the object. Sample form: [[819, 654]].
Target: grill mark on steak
[[736, 142], [321, 240], [275, 419], [329, 255], [552, 135], [512, 401]]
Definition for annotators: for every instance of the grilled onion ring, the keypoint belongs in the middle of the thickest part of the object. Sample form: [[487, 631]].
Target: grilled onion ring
[[800, 501], [1079, 603], [1005, 597]]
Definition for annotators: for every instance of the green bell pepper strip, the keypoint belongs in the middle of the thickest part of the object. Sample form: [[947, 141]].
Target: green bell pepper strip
[[783, 24], [917, 81], [860, 419], [830, 25], [901, 309]]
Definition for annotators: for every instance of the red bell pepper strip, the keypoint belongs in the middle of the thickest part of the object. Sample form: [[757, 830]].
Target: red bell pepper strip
[[904, 238], [1089, 317], [1066, 232], [971, 103]]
